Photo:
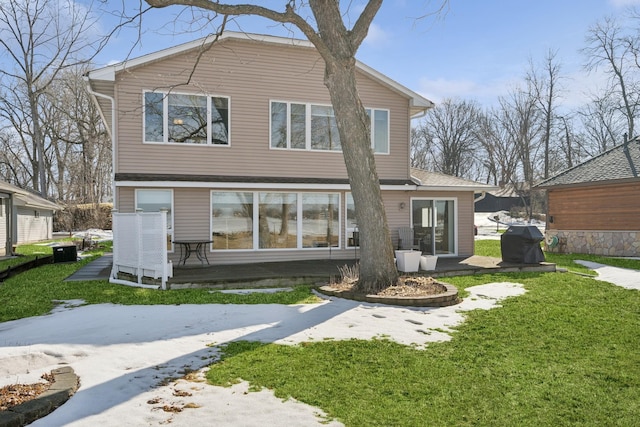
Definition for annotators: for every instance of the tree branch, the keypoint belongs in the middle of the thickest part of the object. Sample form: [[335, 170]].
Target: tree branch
[[361, 28], [289, 16]]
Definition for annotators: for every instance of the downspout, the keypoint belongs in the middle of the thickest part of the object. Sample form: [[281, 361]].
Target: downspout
[[113, 133], [113, 153]]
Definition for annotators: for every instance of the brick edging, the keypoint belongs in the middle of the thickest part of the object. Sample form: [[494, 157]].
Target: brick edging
[[449, 297], [64, 386]]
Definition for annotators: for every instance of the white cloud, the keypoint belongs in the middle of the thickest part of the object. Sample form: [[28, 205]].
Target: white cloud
[[574, 89], [484, 93], [578, 87], [624, 3], [377, 36]]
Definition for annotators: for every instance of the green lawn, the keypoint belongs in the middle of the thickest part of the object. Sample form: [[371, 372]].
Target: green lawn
[[563, 354], [33, 293]]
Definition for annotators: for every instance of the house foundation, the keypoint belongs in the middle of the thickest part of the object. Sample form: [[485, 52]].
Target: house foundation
[[608, 243]]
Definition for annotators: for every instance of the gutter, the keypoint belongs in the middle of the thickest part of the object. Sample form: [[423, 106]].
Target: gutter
[[480, 197]]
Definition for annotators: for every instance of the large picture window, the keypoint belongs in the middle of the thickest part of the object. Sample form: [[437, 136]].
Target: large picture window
[[155, 201], [320, 220], [314, 127], [232, 220], [186, 118], [277, 220], [274, 220]]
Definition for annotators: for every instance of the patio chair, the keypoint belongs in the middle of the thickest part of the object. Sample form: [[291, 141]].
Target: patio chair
[[405, 238]]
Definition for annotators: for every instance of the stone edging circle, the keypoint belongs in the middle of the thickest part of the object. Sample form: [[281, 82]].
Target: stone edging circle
[[64, 386], [449, 297]]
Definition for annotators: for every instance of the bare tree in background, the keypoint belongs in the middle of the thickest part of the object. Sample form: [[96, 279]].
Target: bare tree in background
[[39, 38], [611, 49], [500, 160], [602, 124], [544, 84], [523, 126], [420, 155], [450, 130], [80, 147]]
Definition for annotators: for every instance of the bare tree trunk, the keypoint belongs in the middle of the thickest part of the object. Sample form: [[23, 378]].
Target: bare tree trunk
[[376, 248]]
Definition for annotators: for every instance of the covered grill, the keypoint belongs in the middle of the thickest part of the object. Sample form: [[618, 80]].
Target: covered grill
[[521, 244]]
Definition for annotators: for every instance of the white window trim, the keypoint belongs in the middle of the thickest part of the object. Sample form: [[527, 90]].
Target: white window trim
[[373, 130], [308, 106], [348, 229], [256, 213], [165, 120], [173, 210]]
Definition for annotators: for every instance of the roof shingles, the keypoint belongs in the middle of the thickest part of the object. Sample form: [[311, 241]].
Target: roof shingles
[[621, 162]]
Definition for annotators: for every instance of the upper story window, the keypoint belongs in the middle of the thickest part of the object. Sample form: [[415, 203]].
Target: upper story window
[[313, 127], [186, 119]]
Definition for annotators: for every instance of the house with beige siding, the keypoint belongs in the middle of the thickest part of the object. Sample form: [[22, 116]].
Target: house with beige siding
[[242, 149]]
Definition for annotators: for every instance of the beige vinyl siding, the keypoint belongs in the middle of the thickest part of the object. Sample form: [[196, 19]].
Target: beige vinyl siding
[[3, 225], [32, 228], [192, 213], [251, 74], [125, 199], [401, 217], [192, 210], [466, 239]]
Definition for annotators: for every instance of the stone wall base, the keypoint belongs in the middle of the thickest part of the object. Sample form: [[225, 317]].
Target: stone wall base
[[609, 243]]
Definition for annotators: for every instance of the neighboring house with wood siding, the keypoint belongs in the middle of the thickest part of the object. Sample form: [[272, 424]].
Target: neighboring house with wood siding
[[594, 208], [24, 217], [244, 150]]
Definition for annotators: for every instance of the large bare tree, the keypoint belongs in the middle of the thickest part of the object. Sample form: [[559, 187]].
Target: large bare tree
[[337, 44], [610, 48], [39, 38], [450, 130], [499, 159], [544, 85]]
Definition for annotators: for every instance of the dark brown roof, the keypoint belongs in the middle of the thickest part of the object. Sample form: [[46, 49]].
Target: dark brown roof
[[621, 162]]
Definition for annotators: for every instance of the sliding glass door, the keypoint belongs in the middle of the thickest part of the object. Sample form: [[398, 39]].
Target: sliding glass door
[[434, 225]]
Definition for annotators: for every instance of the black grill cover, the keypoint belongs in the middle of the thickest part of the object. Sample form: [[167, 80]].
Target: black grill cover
[[521, 244]]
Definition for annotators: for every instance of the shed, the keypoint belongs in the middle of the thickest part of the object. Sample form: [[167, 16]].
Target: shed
[[24, 217]]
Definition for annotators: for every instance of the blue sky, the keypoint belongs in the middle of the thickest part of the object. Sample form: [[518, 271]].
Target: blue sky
[[474, 49]]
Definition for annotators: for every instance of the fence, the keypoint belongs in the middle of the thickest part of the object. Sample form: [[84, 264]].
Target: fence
[[140, 248]]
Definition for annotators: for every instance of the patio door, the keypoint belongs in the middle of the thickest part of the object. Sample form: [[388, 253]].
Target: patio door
[[434, 225]]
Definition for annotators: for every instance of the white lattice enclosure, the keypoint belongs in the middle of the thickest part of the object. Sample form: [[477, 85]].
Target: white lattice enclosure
[[140, 247]]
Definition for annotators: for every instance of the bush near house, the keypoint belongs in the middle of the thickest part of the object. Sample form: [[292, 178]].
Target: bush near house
[[83, 217]]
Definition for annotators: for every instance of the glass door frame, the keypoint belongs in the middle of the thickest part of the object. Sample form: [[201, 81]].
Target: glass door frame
[[454, 252]]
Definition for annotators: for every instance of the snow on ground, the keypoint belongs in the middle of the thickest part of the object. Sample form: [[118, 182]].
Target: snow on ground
[[487, 227], [123, 353], [628, 279]]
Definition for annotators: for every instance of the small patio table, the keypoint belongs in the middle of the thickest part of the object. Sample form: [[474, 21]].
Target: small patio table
[[187, 247]]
